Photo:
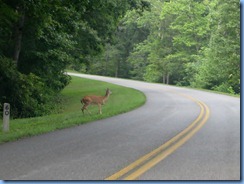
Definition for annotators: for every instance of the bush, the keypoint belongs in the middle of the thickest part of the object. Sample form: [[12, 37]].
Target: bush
[[27, 94], [224, 87]]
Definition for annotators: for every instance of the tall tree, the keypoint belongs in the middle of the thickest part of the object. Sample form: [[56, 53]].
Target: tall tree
[[128, 33], [189, 27], [220, 64], [178, 31]]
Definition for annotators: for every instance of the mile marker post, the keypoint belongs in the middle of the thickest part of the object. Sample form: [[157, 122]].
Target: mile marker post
[[6, 114]]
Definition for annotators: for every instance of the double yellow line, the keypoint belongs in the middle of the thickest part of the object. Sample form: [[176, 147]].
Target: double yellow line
[[146, 162]]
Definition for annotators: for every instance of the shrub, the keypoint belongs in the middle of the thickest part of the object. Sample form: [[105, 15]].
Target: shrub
[[27, 94]]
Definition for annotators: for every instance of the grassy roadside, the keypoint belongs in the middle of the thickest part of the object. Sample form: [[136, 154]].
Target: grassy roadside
[[122, 100]]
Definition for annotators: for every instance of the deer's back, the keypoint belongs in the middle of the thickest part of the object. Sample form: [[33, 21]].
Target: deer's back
[[93, 99]]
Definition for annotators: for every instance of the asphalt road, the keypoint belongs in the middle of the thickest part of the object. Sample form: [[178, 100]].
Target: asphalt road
[[200, 133]]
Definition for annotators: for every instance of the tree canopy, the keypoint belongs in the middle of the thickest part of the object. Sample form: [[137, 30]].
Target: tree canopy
[[180, 42], [40, 38]]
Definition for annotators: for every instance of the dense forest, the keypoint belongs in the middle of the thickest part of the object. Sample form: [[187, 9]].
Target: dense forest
[[181, 42], [40, 38]]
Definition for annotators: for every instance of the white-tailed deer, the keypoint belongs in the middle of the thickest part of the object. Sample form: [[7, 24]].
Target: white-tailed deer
[[95, 100]]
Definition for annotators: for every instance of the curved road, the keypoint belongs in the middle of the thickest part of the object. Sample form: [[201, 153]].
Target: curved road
[[179, 134]]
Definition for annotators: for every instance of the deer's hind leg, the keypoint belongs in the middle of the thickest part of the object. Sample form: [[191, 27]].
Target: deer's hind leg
[[85, 108]]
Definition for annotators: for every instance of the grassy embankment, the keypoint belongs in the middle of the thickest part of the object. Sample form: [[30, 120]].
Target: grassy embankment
[[122, 100]]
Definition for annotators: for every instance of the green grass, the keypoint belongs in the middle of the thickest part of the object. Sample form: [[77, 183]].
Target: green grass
[[121, 100]]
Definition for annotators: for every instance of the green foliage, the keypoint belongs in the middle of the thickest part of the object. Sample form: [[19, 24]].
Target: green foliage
[[27, 94], [186, 43], [138, 60], [220, 63], [224, 87], [43, 37], [113, 61]]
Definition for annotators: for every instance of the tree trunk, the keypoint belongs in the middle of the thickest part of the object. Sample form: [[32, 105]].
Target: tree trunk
[[18, 38], [164, 79], [117, 68], [167, 78]]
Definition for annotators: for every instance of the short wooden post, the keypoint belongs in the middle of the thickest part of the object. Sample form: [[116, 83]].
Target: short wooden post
[[6, 115]]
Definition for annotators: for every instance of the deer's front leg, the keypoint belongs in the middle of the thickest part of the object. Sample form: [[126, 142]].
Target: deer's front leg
[[100, 108]]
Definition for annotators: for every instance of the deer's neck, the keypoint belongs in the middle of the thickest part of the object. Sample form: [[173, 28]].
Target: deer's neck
[[105, 98]]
